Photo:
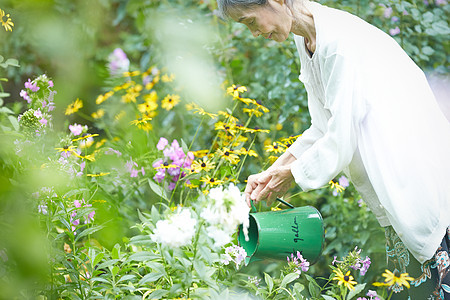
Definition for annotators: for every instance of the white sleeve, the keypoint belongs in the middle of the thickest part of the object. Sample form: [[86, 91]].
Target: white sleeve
[[331, 153], [306, 140]]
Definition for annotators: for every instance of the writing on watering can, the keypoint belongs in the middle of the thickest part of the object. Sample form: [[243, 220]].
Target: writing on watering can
[[296, 230]]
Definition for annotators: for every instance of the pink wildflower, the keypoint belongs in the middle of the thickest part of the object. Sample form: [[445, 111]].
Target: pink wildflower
[[50, 83], [25, 96], [43, 121], [76, 129], [394, 31], [32, 86], [163, 142]]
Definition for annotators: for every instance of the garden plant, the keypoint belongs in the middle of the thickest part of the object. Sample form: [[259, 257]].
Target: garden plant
[[128, 129]]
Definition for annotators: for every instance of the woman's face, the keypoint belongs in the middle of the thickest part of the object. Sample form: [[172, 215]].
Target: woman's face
[[272, 20]]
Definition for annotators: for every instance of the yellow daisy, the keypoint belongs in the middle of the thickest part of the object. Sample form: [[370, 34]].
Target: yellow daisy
[[74, 107], [235, 90], [200, 153], [211, 181], [85, 136], [391, 279], [147, 107], [167, 78], [247, 101], [202, 165], [98, 174], [275, 147], [8, 24], [227, 127], [229, 117], [256, 129], [102, 98], [259, 106], [346, 279], [289, 140], [98, 114], [252, 111], [170, 101], [335, 185], [143, 123], [66, 149], [198, 110], [228, 155]]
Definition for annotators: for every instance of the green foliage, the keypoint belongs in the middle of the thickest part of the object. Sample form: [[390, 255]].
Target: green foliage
[[78, 225]]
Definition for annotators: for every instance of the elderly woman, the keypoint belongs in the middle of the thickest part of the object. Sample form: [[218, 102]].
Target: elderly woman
[[374, 117]]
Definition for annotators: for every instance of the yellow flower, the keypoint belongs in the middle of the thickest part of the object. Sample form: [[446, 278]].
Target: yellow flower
[[166, 165], [275, 148], [275, 209], [346, 279], [143, 123], [256, 129], [235, 90], [244, 151], [198, 110], [132, 93], [229, 117], [131, 74], [170, 101], [66, 149], [260, 107], [279, 126], [101, 143], [245, 100], [202, 165], [335, 185], [102, 98], [211, 181], [191, 185], [272, 159], [289, 140], [147, 107], [200, 153], [97, 174], [252, 111], [167, 78], [391, 279], [85, 136], [98, 114], [8, 24], [74, 107], [152, 97], [227, 127], [228, 155]]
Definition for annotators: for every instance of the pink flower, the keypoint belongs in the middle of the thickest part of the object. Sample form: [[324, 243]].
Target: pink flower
[[118, 62], [25, 96], [77, 203], [32, 86], [76, 129], [43, 121], [343, 181], [134, 173], [50, 83], [38, 113], [159, 176], [387, 12], [394, 31], [163, 142], [172, 186]]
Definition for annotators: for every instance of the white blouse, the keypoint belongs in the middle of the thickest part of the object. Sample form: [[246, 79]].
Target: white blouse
[[375, 117]]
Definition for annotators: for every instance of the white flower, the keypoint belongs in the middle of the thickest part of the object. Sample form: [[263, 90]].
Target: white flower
[[226, 210], [177, 230], [220, 237]]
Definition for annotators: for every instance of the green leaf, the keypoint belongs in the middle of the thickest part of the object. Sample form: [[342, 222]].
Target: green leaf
[[158, 190], [288, 279], [184, 146], [126, 278], [5, 109], [4, 95], [14, 122], [313, 290], [114, 270], [89, 231], [298, 288], [269, 281], [427, 50], [358, 289], [158, 294], [98, 258], [142, 256], [115, 254], [150, 277], [12, 62], [326, 297]]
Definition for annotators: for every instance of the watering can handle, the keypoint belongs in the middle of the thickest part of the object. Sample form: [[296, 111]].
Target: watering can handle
[[278, 199]]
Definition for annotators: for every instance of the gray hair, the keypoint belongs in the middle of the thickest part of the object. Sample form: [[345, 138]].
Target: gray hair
[[225, 5]]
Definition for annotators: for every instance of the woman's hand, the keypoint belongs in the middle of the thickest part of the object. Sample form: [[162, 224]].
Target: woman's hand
[[272, 183]]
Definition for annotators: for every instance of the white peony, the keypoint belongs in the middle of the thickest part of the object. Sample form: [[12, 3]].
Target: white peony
[[177, 230]]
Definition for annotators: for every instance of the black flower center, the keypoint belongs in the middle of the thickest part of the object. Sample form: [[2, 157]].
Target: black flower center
[[226, 153], [275, 147], [203, 165], [346, 278], [166, 164], [211, 180]]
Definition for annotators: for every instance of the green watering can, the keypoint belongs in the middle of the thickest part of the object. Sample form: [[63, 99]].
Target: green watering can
[[277, 234]]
